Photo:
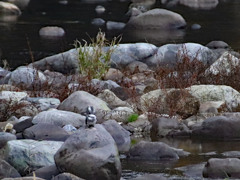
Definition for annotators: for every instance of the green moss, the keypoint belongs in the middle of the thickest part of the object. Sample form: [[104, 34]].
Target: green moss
[[133, 117]]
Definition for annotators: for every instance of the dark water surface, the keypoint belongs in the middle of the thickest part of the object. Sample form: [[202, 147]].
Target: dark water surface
[[20, 37], [185, 167]]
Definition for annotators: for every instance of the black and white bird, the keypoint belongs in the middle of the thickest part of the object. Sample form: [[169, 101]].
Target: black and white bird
[[91, 119]]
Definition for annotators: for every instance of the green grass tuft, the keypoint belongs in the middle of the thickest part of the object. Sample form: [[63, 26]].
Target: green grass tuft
[[133, 117]]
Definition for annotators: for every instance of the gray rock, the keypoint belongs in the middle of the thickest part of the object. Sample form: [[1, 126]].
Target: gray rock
[[169, 101], [100, 9], [111, 99], [79, 100], [12, 96], [66, 176], [162, 126], [66, 62], [22, 4], [125, 54], [111, 25], [193, 170], [3, 74], [46, 172], [141, 126], [225, 65], [98, 22], [227, 94], [90, 154], [217, 45], [200, 4], [222, 168], [170, 54], [157, 19], [120, 114], [119, 134], [51, 32], [137, 66], [152, 151], [69, 128], [29, 155], [6, 170], [24, 178], [109, 84], [23, 108], [9, 9], [196, 26], [46, 131], [232, 154], [27, 78], [114, 75], [5, 137], [22, 125], [60, 118], [218, 127], [133, 12], [43, 104]]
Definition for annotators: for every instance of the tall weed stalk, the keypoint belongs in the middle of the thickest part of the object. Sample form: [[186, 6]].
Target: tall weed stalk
[[95, 57]]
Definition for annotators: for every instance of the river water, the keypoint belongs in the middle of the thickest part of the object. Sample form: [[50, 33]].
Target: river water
[[20, 38], [20, 44]]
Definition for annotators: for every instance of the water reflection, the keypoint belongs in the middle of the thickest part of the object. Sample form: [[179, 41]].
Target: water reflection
[[155, 36], [190, 166], [5, 19]]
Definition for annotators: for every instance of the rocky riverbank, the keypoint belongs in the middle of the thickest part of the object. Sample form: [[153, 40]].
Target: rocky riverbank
[[160, 94], [43, 108]]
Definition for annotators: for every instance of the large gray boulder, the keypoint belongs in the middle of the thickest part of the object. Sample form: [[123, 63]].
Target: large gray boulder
[[5, 137], [46, 172], [27, 78], [22, 4], [125, 54], [119, 134], [66, 62], [168, 126], [157, 19], [152, 151], [29, 155], [222, 168], [45, 131], [225, 65], [23, 178], [7, 171], [90, 154], [43, 104], [51, 32], [78, 102], [9, 9], [60, 118], [66, 176], [111, 99], [227, 94], [169, 101], [218, 127], [200, 4], [170, 54], [9, 99]]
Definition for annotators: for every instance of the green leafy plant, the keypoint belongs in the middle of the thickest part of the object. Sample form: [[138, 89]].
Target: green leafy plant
[[133, 117], [94, 57]]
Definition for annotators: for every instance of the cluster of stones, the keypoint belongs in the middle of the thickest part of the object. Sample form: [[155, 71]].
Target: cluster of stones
[[50, 137]]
